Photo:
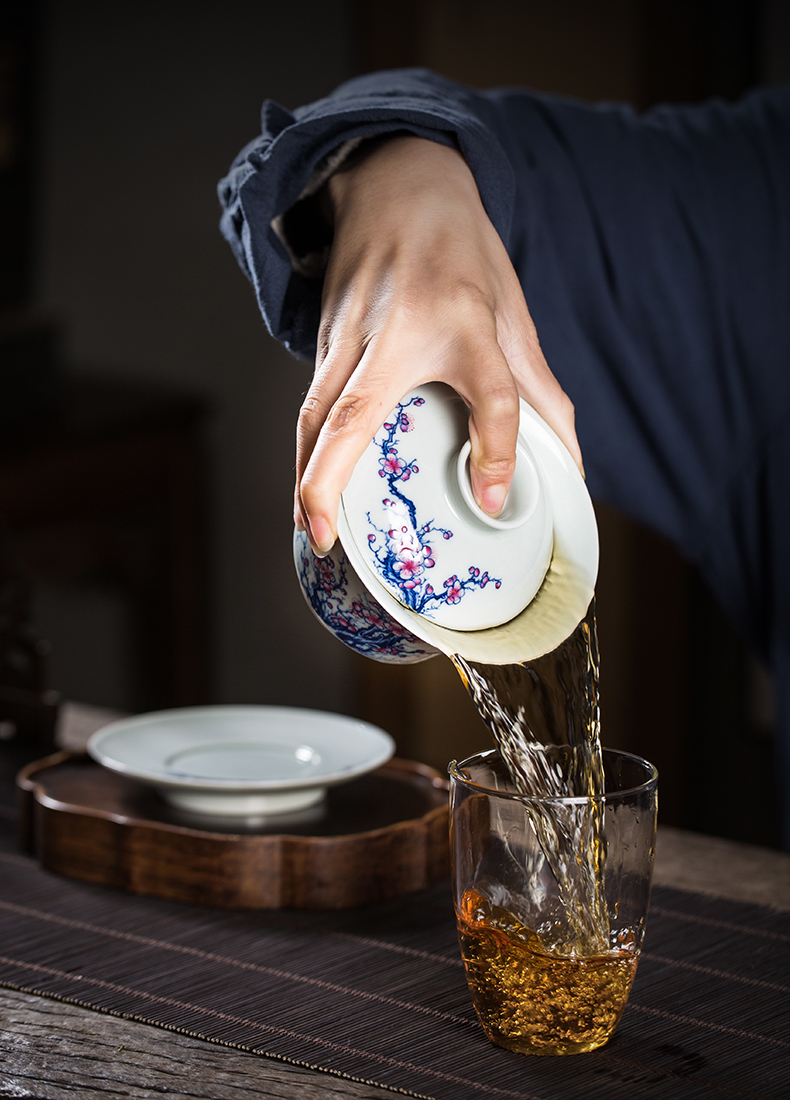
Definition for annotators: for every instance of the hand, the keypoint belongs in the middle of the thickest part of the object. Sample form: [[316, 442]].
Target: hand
[[419, 287]]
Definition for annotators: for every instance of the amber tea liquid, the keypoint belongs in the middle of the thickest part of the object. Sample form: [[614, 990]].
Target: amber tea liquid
[[530, 1000], [559, 992]]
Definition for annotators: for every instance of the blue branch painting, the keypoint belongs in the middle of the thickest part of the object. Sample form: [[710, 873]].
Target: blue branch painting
[[360, 622], [403, 550]]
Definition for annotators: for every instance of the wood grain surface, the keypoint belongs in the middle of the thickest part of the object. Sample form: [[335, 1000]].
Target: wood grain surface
[[53, 1050], [374, 838]]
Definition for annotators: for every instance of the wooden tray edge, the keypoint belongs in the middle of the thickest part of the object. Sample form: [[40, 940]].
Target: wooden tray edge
[[233, 870]]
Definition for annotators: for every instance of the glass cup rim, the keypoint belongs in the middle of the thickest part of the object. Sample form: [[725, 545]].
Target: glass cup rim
[[455, 767]]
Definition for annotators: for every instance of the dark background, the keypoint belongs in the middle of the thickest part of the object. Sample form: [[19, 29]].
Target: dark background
[[116, 121]]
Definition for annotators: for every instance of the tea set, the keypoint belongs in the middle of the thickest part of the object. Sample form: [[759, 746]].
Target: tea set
[[418, 570]]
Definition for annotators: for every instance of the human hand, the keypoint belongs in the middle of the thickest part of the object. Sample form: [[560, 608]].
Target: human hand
[[419, 287]]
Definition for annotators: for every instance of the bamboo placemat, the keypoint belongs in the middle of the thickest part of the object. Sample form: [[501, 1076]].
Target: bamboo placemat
[[378, 994]]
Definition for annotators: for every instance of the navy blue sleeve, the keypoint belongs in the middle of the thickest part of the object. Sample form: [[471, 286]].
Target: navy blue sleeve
[[269, 174], [654, 253]]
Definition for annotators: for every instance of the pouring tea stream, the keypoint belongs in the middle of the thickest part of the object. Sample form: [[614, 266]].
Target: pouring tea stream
[[419, 569]]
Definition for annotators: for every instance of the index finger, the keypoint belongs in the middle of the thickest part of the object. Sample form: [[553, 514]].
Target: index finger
[[345, 432], [483, 380]]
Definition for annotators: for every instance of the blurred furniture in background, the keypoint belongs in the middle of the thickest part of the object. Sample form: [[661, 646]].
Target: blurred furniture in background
[[639, 51], [28, 708], [101, 483], [110, 487]]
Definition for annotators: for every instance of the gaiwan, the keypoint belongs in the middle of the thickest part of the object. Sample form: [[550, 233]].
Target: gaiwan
[[419, 568]]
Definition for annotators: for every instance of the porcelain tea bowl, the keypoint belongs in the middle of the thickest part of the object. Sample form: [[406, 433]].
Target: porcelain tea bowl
[[339, 600], [419, 568]]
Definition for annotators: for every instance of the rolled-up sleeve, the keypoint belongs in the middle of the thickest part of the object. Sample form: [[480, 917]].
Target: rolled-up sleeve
[[654, 254], [272, 172]]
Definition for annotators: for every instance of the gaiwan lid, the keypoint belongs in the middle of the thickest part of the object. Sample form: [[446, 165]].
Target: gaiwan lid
[[409, 518]]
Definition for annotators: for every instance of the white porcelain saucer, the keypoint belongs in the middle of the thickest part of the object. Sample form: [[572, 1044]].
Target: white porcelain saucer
[[241, 761]]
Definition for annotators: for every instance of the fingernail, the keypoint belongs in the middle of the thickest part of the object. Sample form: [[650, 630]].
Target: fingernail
[[321, 536], [298, 516], [494, 499]]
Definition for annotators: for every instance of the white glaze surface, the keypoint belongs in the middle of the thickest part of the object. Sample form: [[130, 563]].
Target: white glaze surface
[[566, 591], [411, 515], [241, 759]]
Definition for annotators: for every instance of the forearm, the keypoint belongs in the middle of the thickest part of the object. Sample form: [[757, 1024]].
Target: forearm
[[652, 250], [271, 174]]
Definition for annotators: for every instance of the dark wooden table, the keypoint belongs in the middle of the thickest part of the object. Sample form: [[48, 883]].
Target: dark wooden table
[[53, 1050]]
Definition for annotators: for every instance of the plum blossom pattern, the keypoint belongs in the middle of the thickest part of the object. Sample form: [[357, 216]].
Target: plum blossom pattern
[[403, 548], [352, 614]]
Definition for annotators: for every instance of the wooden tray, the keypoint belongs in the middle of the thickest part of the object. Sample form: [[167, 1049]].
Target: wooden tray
[[373, 838]]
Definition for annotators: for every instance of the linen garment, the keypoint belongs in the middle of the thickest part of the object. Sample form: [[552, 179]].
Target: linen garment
[[654, 254]]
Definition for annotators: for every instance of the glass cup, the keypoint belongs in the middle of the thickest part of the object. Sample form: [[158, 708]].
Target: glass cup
[[551, 931]]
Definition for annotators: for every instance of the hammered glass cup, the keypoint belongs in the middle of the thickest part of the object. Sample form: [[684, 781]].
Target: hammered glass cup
[[536, 988]]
